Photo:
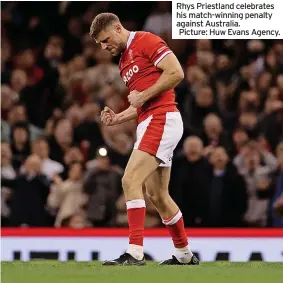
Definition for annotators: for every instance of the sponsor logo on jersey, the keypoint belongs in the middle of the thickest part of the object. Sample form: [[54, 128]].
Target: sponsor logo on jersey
[[129, 74]]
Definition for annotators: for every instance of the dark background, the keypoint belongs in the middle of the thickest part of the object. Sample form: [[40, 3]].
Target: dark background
[[227, 169]]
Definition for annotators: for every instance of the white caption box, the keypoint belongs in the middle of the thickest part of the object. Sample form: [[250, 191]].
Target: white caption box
[[227, 19]]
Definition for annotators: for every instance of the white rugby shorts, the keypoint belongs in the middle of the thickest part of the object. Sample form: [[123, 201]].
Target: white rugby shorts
[[159, 135]]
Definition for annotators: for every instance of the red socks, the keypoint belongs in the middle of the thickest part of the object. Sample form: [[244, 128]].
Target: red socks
[[175, 225], [136, 216]]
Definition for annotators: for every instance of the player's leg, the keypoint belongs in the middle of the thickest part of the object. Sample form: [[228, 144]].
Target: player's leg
[[157, 187], [157, 190], [140, 166]]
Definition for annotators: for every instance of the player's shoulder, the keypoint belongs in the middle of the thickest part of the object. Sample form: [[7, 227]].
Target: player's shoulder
[[145, 40], [147, 35]]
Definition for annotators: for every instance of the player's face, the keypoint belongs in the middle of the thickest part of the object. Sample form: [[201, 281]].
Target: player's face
[[110, 40]]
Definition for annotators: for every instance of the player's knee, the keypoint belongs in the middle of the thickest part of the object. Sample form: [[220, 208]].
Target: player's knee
[[126, 182], [150, 196], [156, 198], [131, 182]]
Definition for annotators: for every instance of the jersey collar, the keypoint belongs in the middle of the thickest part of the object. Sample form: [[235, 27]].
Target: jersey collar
[[130, 39]]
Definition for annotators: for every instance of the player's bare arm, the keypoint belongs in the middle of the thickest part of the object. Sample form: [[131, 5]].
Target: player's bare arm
[[171, 76], [109, 118], [129, 114]]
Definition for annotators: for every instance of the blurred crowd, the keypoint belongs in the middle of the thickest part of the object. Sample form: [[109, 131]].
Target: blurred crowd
[[61, 167]]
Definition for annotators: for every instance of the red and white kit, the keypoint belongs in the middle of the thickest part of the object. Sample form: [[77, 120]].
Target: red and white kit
[[160, 126]]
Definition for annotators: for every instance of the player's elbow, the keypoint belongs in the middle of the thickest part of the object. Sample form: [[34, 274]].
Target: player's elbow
[[179, 74]]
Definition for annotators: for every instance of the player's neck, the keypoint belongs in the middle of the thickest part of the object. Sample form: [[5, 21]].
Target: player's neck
[[126, 36]]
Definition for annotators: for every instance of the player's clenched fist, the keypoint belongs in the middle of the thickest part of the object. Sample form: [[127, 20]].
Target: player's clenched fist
[[108, 117], [136, 98]]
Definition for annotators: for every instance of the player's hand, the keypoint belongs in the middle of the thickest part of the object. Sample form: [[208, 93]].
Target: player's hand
[[136, 98], [108, 117]]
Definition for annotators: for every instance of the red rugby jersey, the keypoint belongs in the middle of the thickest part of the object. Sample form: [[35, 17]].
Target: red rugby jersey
[[138, 70]]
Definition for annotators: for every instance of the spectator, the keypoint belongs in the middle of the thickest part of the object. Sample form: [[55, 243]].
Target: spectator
[[8, 98], [105, 73], [199, 46], [277, 200], [89, 49], [121, 149], [40, 147], [67, 197], [52, 53], [29, 195], [249, 101], [264, 83], [31, 74], [206, 60], [228, 196], [224, 69], [6, 56], [190, 182], [51, 123], [72, 38], [240, 138], [45, 94], [75, 115], [249, 122], [7, 172], [19, 80], [103, 185], [160, 20], [196, 108], [213, 134], [271, 124], [61, 141], [17, 113], [256, 175], [87, 134], [72, 155], [20, 143], [119, 141]]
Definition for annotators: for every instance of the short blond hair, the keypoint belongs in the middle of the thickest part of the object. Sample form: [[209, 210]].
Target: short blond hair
[[100, 22]]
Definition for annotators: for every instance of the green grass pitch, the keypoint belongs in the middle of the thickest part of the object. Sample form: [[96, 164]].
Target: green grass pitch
[[92, 272]]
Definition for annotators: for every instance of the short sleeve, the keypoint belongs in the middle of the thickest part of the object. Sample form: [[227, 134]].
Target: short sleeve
[[155, 48]]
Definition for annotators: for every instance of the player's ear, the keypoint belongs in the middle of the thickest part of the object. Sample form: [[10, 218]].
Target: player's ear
[[117, 28]]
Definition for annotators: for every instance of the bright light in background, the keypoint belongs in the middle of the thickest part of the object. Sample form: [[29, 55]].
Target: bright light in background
[[102, 151]]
